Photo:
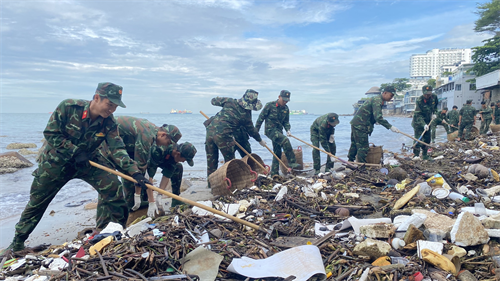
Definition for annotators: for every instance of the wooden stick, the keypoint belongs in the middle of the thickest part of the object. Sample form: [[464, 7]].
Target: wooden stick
[[241, 147], [415, 139], [185, 200], [428, 126], [281, 162]]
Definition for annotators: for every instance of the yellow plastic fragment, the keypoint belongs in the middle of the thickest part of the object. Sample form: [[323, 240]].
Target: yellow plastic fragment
[[100, 245], [385, 260], [405, 198], [401, 186], [495, 175], [439, 261]]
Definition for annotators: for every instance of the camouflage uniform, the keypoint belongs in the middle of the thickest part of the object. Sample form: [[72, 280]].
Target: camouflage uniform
[[424, 109], [241, 136], [452, 117], [321, 130], [468, 113], [362, 126], [139, 137], [485, 119], [221, 129], [497, 114], [277, 118], [69, 132], [439, 122]]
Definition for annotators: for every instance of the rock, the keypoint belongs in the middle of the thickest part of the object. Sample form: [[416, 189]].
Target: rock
[[372, 248], [413, 234], [479, 170], [436, 221], [342, 212], [492, 222], [398, 173], [379, 230], [17, 145], [25, 151], [468, 231], [90, 206], [11, 161]]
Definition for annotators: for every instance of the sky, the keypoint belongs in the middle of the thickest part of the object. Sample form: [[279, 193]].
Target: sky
[[179, 54]]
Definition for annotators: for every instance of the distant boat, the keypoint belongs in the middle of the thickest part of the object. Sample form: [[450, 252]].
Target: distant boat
[[175, 111], [298, 112]]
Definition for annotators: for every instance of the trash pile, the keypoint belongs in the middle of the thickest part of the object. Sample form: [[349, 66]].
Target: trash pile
[[407, 220]]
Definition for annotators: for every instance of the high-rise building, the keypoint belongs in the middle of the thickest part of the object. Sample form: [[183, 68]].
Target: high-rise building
[[429, 65]]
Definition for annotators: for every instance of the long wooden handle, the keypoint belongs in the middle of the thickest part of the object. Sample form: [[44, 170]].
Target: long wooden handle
[[241, 147], [187, 201], [415, 139], [281, 162], [432, 119]]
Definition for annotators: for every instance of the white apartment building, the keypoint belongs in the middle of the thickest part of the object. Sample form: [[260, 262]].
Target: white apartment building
[[429, 65]]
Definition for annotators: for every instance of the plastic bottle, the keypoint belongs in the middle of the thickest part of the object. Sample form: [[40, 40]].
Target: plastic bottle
[[454, 196], [398, 243]]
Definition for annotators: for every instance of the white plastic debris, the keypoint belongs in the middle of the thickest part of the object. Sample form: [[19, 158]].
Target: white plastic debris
[[281, 193]]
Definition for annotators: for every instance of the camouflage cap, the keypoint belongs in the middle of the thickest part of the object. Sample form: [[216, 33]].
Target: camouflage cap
[[426, 89], [390, 89], [172, 131], [187, 151], [483, 102], [250, 100], [492, 104], [285, 95], [333, 119], [446, 108], [111, 91], [469, 101]]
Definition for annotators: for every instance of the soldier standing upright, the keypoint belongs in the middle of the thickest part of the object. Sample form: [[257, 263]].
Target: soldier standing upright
[[277, 117], [220, 130], [453, 117], [74, 132], [486, 117], [362, 124], [497, 113], [467, 119], [439, 120], [322, 131], [425, 111]]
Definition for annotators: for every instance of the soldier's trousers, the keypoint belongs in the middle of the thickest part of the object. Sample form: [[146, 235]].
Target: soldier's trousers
[[281, 141], [129, 188], [332, 148], [359, 145], [214, 143], [425, 138], [49, 179], [467, 126], [433, 130], [245, 144], [485, 126], [497, 120], [453, 129]]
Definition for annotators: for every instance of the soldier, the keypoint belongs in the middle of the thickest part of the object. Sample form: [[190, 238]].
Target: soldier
[[277, 116], [466, 120], [362, 124], [221, 129], [241, 136], [425, 111], [74, 132], [486, 117], [497, 113], [452, 118], [322, 131], [440, 120]]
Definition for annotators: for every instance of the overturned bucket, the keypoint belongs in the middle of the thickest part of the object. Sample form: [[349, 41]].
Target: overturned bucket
[[298, 159], [254, 166], [234, 174]]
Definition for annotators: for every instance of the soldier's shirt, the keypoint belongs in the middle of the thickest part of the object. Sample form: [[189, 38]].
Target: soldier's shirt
[[486, 112], [467, 112], [424, 108], [497, 112], [368, 114], [70, 130], [322, 129], [277, 118], [452, 117]]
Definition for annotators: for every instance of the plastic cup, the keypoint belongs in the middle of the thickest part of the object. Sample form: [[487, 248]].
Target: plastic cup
[[479, 209]]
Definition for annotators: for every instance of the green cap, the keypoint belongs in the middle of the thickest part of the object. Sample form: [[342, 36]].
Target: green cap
[[187, 151], [285, 95], [468, 101], [172, 131], [250, 100], [446, 108], [333, 119], [426, 89], [390, 89], [111, 91]]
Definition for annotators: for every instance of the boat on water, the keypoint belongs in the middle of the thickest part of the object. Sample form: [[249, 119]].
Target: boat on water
[[175, 111], [298, 112]]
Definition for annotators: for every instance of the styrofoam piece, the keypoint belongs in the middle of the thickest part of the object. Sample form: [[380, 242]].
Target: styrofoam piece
[[231, 209], [493, 232], [398, 220], [473, 210], [433, 246], [58, 264], [416, 219], [135, 229], [112, 227], [281, 193]]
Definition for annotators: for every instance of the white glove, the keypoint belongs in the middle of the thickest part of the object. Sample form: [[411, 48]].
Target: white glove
[[332, 139], [159, 201], [394, 129], [426, 127], [332, 159], [434, 116], [263, 143], [152, 209], [137, 202], [288, 133]]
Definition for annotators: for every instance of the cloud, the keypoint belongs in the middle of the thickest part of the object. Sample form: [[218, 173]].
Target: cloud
[[463, 36]]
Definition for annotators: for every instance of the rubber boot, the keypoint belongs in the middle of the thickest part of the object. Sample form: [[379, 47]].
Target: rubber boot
[[416, 152], [15, 246]]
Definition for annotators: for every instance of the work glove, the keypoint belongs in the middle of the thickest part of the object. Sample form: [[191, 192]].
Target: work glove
[[332, 158], [152, 210], [444, 122], [82, 160], [159, 201], [288, 133], [137, 202], [141, 180], [332, 139], [263, 143], [434, 116], [394, 129], [426, 127]]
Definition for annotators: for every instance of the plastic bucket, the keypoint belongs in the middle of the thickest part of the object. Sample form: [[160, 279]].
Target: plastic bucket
[[234, 174]]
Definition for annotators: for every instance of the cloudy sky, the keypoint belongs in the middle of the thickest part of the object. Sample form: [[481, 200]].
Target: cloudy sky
[[180, 53]]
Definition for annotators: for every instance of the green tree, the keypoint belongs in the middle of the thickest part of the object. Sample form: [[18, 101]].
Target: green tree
[[432, 83], [400, 84], [489, 18], [446, 73]]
